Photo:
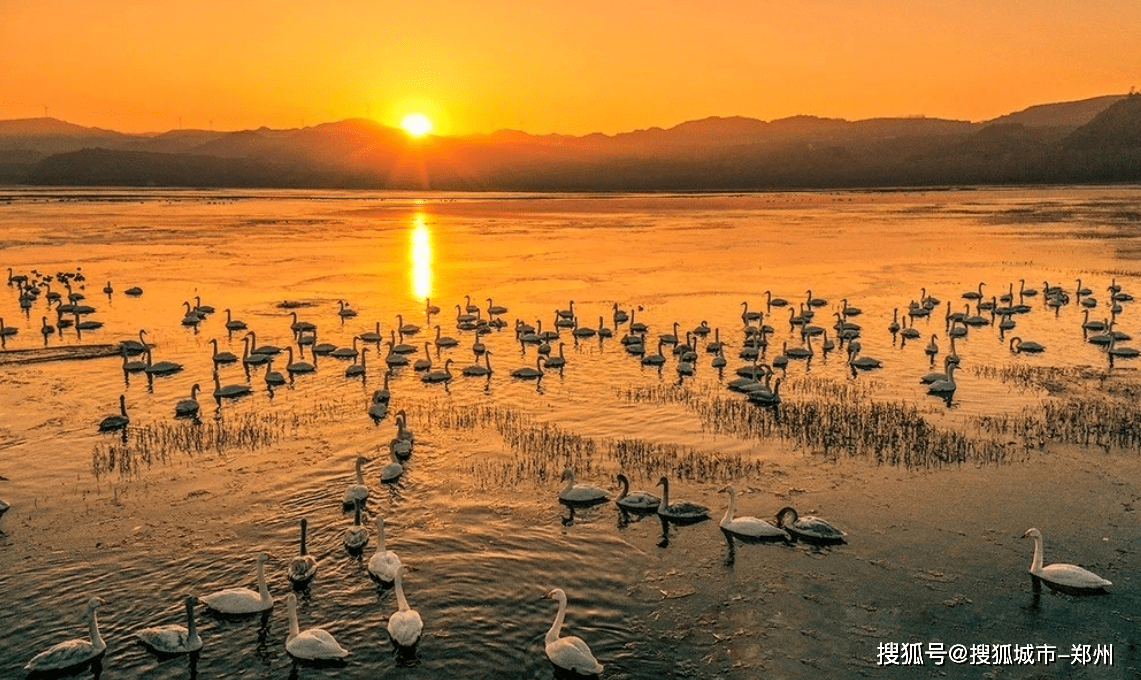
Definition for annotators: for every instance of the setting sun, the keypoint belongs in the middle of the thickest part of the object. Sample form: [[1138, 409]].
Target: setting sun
[[416, 124]]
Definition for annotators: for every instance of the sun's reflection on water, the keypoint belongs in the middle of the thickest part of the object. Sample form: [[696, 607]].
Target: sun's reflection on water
[[421, 254]]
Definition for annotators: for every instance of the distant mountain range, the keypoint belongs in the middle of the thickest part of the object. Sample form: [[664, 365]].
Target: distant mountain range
[[1094, 140]]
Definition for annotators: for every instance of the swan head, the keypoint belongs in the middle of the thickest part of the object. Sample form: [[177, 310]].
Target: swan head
[[1032, 533], [556, 594], [95, 603], [663, 482], [263, 557], [567, 474], [787, 510], [728, 488]]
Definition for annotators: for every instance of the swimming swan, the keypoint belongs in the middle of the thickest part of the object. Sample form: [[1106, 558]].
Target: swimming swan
[[404, 626], [682, 510], [242, 600], [174, 639], [747, 527], [639, 501], [809, 528], [357, 492], [356, 536], [312, 644], [303, 567], [384, 564], [579, 493], [1062, 576], [72, 652], [570, 652]]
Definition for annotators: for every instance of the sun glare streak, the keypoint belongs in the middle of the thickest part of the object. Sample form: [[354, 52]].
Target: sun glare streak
[[421, 254]]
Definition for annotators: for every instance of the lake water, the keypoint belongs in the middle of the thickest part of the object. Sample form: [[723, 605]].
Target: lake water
[[935, 494]]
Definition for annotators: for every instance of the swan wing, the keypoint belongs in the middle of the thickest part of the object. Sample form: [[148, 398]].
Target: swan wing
[[355, 492], [302, 568], [753, 528], [1072, 576], [640, 500], [384, 566], [685, 509], [315, 643], [405, 626], [64, 655], [581, 493], [818, 528], [573, 654], [171, 639], [236, 601]]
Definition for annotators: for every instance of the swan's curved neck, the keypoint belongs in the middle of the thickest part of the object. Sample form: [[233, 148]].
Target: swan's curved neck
[[304, 531], [553, 633], [191, 628], [400, 599], [570, 481], [1036, 564], [380, 538], [731, 509], [96, 639], [625, 488], [294, 629], [665, 496], [262, 589]]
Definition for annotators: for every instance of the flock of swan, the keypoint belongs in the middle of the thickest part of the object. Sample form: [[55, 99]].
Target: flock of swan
[[756, 380]]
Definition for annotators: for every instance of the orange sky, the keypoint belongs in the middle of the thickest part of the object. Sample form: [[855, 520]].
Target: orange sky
[[553, 66]]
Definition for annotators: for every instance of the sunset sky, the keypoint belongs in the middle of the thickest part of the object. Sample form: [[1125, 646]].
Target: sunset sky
[[545, 66]]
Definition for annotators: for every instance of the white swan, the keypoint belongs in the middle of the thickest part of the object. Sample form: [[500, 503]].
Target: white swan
[[297, 366], [162, 367], [445, 340], [188, 408], [392, 471], [242, 600], [639, 501], [682, 511], [72, 652], [809, 528], [237, 324], [404, 626], [356, 369], [559, 361], [346, 352], [229, 391], [356, 536], [1017, 345], [358, 491], [406, 328], [313, 644], [528, 373], [384, 563], [303, 567], [1062, 576], [372, 336], [478, 370], [579, 493], [345, 311], [946, 386], [439, 376], [119, 421], [222, 357], [174, 639], [570, 652], [747, 527]]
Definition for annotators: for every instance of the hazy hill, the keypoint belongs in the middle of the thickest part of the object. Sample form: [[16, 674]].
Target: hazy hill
[[1091, 140], [1066, 115]]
